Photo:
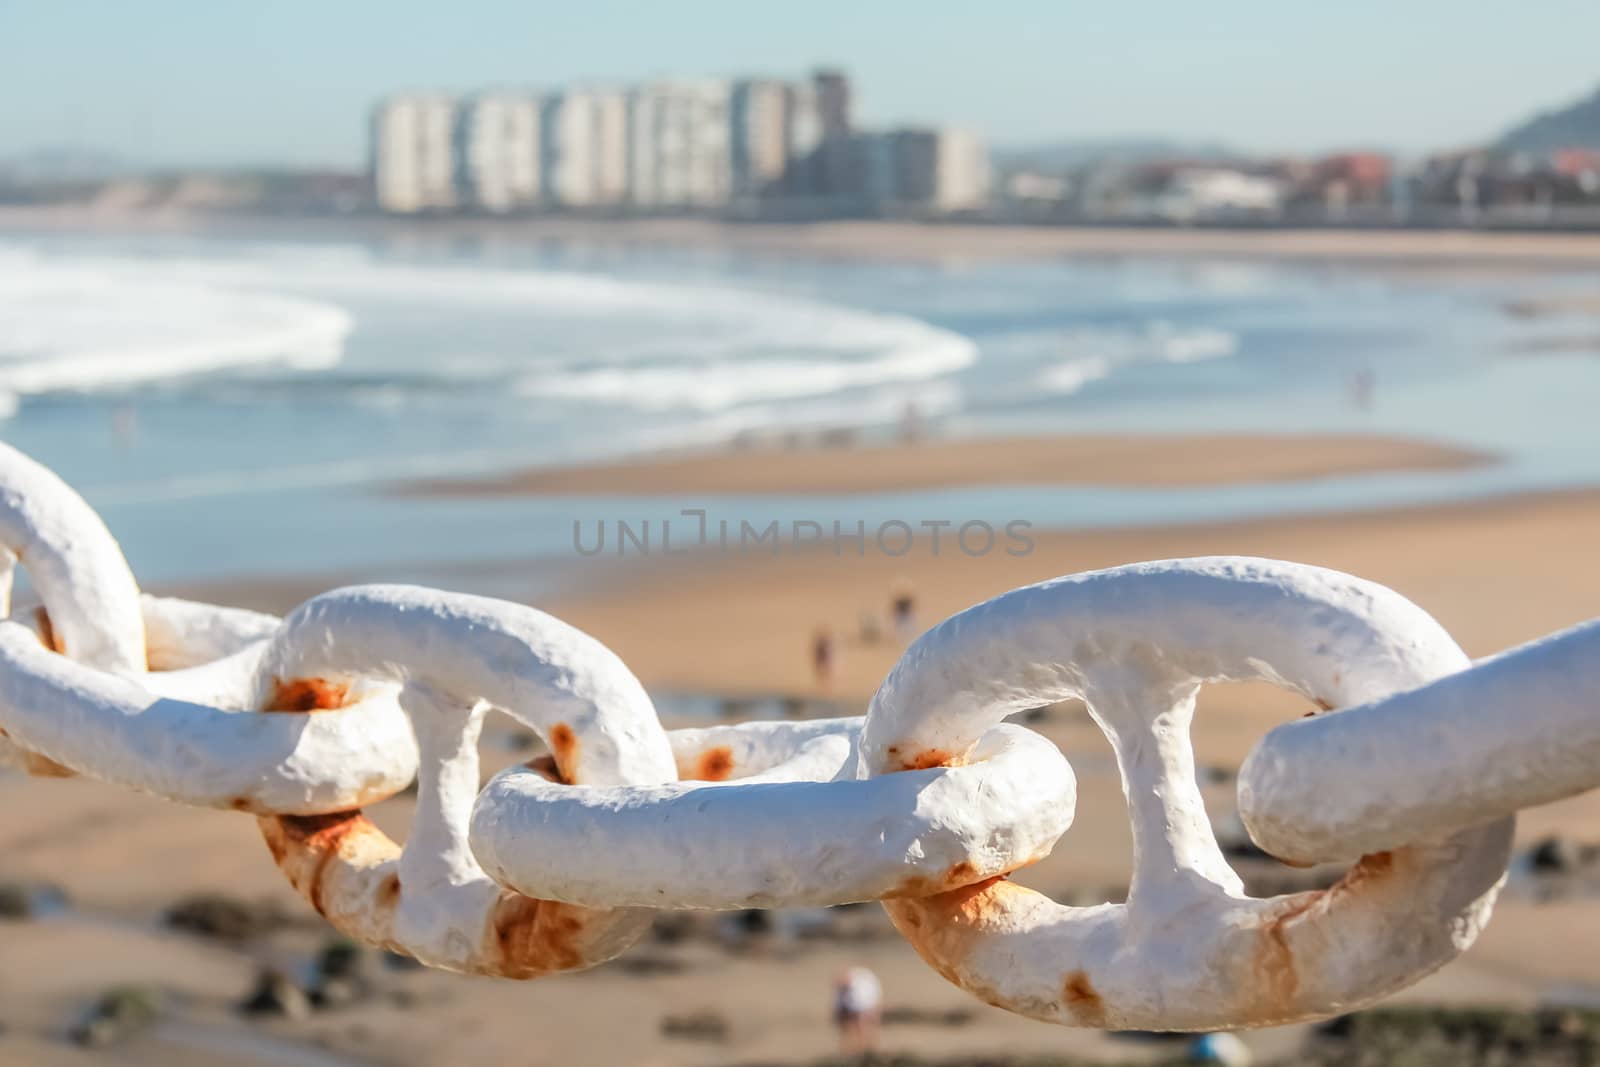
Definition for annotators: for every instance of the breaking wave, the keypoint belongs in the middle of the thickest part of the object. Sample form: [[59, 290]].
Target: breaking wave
[[69, 327]]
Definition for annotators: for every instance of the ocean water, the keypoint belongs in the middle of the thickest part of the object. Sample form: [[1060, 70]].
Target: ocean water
[[241, 408]]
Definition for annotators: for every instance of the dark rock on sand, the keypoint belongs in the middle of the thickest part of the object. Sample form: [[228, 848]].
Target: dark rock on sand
[[673, 927], [335, 993], [340, 957], [120, 1013], [696, 1026], [905, 1015], [225, 918], [25, 900], [399, 961], [1559, 854], [276, 994], [15, 902]]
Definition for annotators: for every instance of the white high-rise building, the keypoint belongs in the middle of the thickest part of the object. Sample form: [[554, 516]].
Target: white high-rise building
[[500, 147], [680, 144], [758, 148], [670, 145], [413, 153], [962, 169], [586, 147]]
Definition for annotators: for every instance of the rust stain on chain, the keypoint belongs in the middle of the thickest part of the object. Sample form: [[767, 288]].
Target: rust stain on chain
[[307, 694], [545, 767], [388, 892], [319, 840], [1275, 962], [528, 937], [929, 758], [714, 765], [1369, 868], [917, 885], [47, 630], [942, 928], [1082, 1000], [564, 746]]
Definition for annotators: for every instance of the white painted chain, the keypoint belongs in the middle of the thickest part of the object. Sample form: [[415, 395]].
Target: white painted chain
[[1189, 950], [926, 804]]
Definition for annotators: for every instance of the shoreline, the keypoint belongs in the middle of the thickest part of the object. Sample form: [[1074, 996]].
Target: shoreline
[[1141, 461], [1442, 251]]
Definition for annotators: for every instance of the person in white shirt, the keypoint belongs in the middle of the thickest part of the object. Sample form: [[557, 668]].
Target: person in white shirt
[[857, 1010]]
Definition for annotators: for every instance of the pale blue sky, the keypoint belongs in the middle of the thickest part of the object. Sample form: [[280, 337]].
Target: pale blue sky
[[289, 81]]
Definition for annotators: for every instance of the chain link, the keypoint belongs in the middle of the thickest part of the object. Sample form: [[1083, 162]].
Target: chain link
[[927, 803]]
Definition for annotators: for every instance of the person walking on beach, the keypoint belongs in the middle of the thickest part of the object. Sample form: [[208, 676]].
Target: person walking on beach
[[824, 655], [857, 1011], [903, 610]]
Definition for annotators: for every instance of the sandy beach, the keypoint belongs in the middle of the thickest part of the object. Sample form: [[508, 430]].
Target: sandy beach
[[1149, 461], [1444, 251], [1496, 573]]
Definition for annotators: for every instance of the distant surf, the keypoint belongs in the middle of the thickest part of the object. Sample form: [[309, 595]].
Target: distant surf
[[67, 327], [233, 404]]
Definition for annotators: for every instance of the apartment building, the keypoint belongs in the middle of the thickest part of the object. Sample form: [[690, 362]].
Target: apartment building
[[669, 145], [680, 140], [414, 153], [585, 149], [759, 136], [499, 147], [935, 169], [962, 172]]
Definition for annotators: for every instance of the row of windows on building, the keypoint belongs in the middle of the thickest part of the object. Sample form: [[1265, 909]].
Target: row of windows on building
[[676, 145]]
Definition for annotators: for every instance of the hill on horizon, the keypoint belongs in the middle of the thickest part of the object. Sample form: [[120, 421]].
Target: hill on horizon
[[1575, 126]]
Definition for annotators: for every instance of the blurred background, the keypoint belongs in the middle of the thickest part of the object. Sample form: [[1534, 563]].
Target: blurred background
[[754, 342]]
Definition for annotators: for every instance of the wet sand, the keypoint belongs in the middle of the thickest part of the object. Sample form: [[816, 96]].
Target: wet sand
[[1136, 461], [1445, 251]]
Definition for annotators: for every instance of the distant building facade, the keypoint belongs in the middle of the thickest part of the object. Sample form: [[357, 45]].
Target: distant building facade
[[414, 154], [499, 145], [963, 176], [665, 146], [586, 148], [922, 170], [760, 131], [680, 140]]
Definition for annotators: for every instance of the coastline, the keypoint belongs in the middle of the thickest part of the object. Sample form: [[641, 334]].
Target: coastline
[[1441, 251], [1108, 460]]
